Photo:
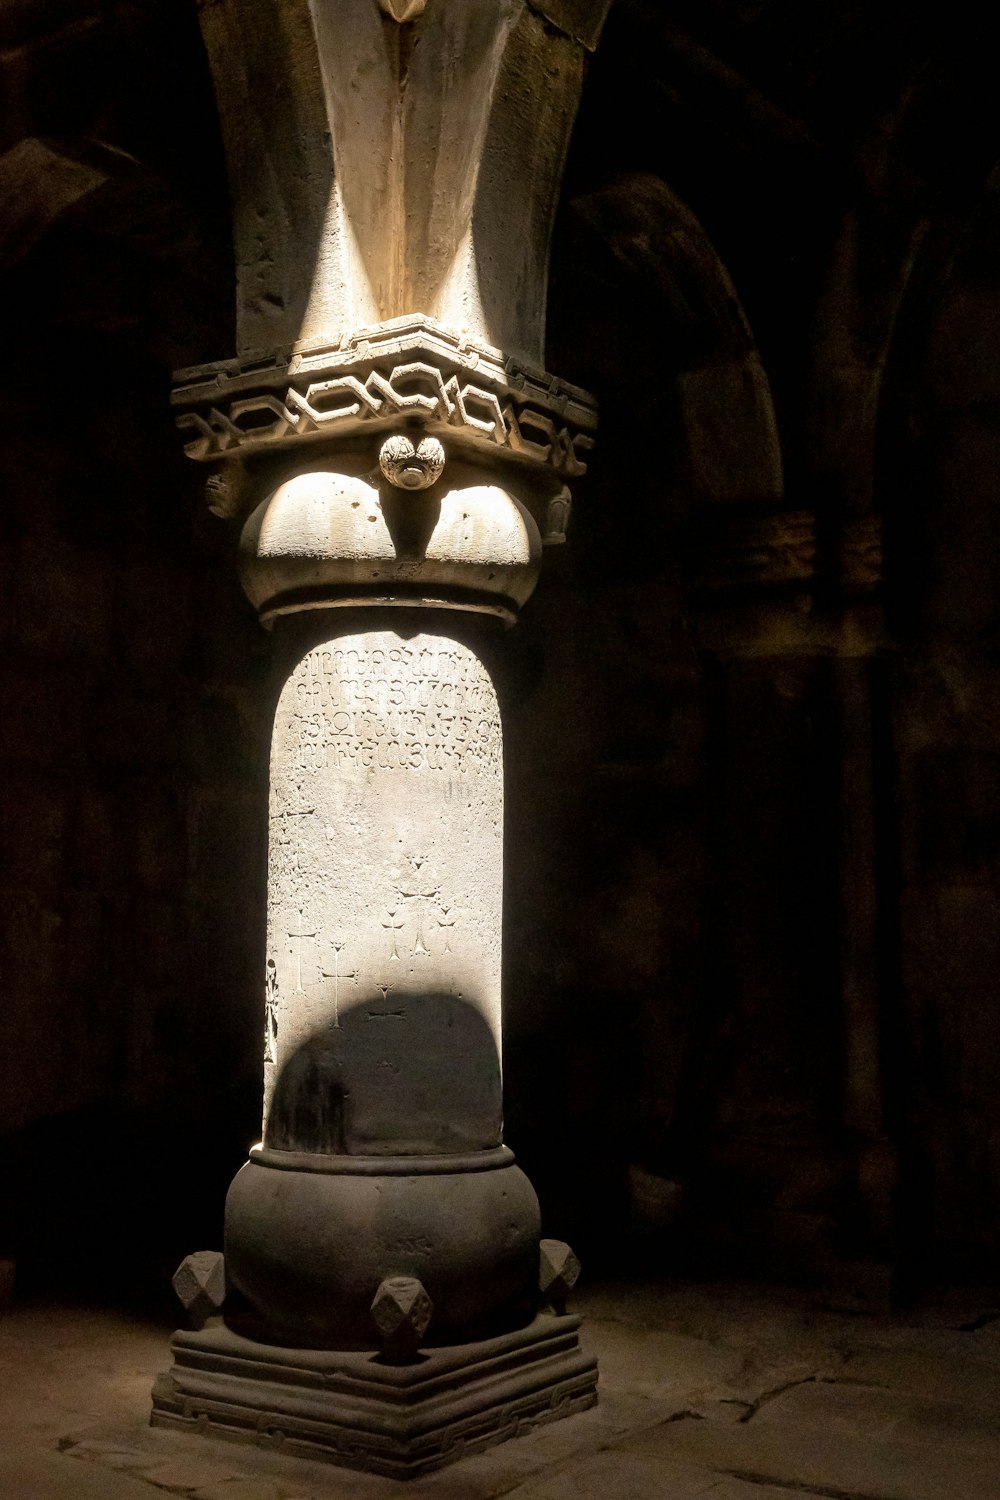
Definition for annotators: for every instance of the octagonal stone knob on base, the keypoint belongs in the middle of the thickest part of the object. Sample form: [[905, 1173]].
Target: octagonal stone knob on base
[[402, 1311], [558, 1272], [200, 1284]]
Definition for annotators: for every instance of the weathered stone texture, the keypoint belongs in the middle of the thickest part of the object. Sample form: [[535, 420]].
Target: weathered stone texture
[[377, 220], [115, 940], [385, 885]]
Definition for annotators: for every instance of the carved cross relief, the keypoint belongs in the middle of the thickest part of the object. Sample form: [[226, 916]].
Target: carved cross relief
[[271, 1012], [393, 926], [299, 935], [416, 888], [337, 975]]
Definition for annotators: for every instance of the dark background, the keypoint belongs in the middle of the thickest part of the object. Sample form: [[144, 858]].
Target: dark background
[[753, 867]]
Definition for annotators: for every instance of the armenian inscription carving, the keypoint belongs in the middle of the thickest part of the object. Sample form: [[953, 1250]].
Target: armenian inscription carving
[[396, 709], [385, 862]]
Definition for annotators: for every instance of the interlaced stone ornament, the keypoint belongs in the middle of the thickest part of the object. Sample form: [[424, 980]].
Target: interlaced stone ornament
[[200, 1284], [558, 1273], [409, 367], [402, 1312]]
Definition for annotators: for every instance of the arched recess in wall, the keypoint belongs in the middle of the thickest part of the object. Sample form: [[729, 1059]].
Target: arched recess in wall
[[642, 307], [607, 957], [936, 461], [91, 238], [900, 446], [868, 277]]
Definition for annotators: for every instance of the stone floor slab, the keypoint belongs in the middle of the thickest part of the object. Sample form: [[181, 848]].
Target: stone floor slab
[[53, 1476], [188, 1473], [606, 1476], [875, 1465], [792, 1402], [958, 1376], [882, 1415], [658, 1363], [247, 1489], [603, 1475]]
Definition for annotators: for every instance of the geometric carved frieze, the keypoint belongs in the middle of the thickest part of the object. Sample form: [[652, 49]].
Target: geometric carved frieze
[[408, 368]]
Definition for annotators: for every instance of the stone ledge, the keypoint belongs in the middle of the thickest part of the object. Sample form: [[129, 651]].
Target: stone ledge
[[354, 1410]]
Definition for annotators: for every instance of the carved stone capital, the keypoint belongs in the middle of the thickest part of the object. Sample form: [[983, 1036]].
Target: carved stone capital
[[327, 538], [408, 371], [395, 167], [793, 548]]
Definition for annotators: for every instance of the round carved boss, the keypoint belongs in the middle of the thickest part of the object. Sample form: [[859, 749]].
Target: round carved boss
[[409, 467]]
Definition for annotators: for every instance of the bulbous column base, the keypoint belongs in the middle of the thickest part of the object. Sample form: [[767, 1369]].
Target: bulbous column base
[[310, 1238]]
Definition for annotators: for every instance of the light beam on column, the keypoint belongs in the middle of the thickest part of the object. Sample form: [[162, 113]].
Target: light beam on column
[[398, 457]]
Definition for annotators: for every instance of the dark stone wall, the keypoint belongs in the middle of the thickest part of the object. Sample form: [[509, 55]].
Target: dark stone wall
[[943, 584], [133, 838], [800, 1079], [753, 806], [135, 694]]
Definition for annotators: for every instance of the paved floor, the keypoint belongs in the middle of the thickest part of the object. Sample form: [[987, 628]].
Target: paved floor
[[712, 1391]]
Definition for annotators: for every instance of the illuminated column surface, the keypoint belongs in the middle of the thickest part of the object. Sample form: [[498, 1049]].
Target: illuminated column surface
[[398, 457]]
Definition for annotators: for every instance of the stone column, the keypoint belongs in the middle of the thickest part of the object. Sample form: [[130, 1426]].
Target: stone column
[[399, 457]]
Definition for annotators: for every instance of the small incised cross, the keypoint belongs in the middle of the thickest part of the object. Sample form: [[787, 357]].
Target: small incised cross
[[299, 935], [271, 1013], [446, 920], [337, 976], [393, 925]]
